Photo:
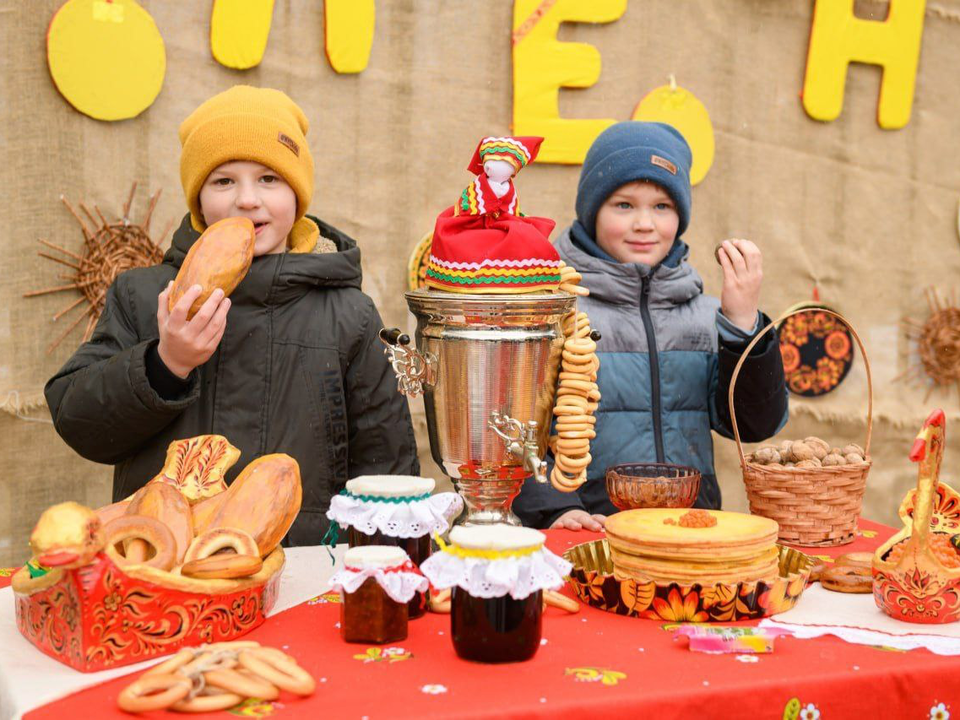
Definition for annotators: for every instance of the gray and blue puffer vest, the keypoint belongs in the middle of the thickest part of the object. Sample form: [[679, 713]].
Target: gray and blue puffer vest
[[664, 377]]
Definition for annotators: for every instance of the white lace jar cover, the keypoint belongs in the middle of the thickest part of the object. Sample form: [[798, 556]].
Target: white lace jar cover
[[398, 506], [489, 561], [388, 565]]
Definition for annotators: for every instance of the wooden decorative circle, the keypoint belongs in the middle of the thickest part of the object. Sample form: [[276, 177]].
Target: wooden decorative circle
[[817, 352], [417, 264]]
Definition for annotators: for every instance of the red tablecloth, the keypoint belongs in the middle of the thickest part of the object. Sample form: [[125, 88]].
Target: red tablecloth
[[592, 662]]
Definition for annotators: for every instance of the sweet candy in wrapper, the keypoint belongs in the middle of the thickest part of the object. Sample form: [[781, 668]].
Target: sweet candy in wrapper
[[717, 639]]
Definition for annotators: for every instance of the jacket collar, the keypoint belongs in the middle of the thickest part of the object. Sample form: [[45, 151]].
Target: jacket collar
[[673, 282]]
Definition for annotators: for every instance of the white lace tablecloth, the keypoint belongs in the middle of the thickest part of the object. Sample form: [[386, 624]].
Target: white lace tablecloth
[[29, 679], [857, 619]]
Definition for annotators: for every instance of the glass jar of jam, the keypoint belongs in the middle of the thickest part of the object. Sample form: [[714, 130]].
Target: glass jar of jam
[[495, 616], [368, 614], [394, 491], [417, 549], [495, 630]]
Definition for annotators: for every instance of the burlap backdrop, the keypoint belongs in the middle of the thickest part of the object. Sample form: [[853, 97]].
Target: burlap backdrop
[[871, 214]]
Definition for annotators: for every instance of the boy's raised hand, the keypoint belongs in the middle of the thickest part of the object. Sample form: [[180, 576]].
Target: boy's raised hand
[[578, 520], [186, 344], [742, 266]]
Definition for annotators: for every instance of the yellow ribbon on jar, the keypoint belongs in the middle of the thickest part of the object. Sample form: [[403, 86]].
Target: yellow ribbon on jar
[[485, 554]]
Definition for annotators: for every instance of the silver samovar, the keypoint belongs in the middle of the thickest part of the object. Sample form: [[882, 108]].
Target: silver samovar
[[487, 367]]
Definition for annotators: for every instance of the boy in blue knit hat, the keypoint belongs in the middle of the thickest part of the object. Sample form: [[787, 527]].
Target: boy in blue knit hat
[[668, 351]]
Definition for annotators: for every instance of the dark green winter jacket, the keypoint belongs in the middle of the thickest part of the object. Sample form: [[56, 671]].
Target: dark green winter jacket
[[299, 370]]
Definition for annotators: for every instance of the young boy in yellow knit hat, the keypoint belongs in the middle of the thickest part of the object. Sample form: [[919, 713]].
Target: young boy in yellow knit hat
[[291, 362]]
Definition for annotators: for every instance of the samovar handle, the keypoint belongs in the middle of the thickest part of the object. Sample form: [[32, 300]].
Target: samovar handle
[[413, 369]]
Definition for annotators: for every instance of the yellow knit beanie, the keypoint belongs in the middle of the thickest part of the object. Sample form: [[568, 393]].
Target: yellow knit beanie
[[246, 123]]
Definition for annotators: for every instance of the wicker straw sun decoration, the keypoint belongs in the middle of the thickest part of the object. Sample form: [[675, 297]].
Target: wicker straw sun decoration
[[109, 249], [816, 507]]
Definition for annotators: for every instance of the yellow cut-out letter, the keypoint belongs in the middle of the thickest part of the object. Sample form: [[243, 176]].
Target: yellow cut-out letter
[[348, 33], [542, 65], [239, 30], [106, 58], [838, 38]]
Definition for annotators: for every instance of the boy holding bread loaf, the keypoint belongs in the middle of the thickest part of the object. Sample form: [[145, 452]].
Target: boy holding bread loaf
[[668, 351], [290, 362]]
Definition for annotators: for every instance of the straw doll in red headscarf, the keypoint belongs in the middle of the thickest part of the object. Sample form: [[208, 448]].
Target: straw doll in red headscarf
[[484, 244]]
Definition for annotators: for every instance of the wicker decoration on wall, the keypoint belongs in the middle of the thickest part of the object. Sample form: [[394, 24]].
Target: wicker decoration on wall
[[937, 342], [108, 250]]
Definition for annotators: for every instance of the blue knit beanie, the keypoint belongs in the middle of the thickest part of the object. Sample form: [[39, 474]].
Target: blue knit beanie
[[630, 151]]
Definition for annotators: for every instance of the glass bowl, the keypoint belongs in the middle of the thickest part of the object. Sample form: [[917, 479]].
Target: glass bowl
[[652, 485]]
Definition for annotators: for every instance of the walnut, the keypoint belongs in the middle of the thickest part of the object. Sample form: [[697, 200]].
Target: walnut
[[853, 458], [811, 463], [853, 449], [833, 459], [785, 447], [766, 456], [801, 451], [821, 448]]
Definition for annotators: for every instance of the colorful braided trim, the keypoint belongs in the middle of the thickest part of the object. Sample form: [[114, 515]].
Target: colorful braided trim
[[484, 279], [494, 272]]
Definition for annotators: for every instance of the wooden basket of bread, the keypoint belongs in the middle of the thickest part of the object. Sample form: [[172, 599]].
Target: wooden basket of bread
[[186, 560]]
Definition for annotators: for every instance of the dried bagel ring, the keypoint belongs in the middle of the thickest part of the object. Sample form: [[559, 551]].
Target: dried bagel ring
[[573, 465], [582, 331], [208, 703], [576, 434], [565, 390], [154, 692], [172, 664], [566, 484], [141, 527], [212, 541], [847, 579], [223, 567], [580, 346], [562, 410], [564, 393], [245, 685], [570, 447], [564, 375], [856, 559], [585, 385], [286, 675], [574, 425], [577, 420]]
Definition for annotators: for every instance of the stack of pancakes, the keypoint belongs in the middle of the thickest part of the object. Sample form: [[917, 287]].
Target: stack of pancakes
[[739, 548]]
